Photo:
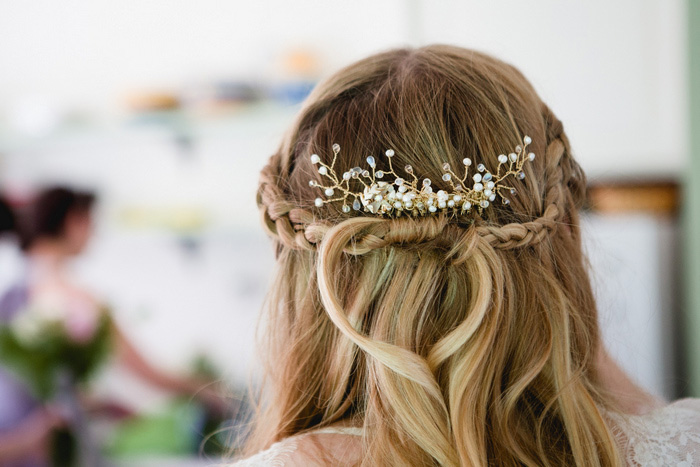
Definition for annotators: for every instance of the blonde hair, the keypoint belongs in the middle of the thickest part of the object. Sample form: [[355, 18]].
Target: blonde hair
[[452, 341]]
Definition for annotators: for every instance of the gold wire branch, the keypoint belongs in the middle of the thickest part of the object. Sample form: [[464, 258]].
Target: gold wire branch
[[404, 197]]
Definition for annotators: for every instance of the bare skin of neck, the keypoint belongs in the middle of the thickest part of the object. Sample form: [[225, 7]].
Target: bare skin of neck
[[627, 395]]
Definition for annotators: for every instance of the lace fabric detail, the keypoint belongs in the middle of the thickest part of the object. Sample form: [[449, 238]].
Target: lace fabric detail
[[667, 436], [279, 453]]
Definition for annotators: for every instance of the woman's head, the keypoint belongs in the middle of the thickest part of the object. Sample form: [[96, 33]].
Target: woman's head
[[59, 215], [455, 340]]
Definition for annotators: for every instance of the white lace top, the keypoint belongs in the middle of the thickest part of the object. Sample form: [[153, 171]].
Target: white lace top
[[667, 436]]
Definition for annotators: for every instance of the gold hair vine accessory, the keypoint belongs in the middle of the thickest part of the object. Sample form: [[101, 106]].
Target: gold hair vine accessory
[[405, 197]]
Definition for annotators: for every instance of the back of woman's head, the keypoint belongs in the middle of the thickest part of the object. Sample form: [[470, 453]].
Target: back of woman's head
[[453, 339]]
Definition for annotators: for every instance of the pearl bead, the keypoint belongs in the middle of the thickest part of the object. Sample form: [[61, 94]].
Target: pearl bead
[[527, 140], [487, 192], [378, 198], [442, 204], [322, 170], [315, 159], [490, 185], [379, 174], [408, 203], [329, 192], [346, 208], [477, 178], [432, 208], [312, 183], [346, 176], [336, 147], [458, 198], [502, 158], [397, 205], [402, 189], [389, 153], [428, 189], [466, 161], [513, 157], [399, 181], [492, 197], [466, 206], [318, 202], [531, 156], [447, 177], [478, 187], [451, 203]]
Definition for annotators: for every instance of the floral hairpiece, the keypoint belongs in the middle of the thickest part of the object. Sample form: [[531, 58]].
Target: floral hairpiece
[[406, 197]]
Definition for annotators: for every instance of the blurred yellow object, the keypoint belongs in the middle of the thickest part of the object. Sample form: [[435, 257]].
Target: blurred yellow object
[[179, 219], [152, 101]]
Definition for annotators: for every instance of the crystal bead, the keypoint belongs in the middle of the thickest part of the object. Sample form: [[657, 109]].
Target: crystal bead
[[365, 173], [466, 161], [459, 187], [379, 174], [518, 149], [502, 158], [477, 178], [445, 166], [389, 153], [370, 161], [329, 192], [318, 202], [481, 167], [356, 204], [402, 189], [408, 169], [336, 147], [484, 204], [312, 183], [399, 181], [487, 176], [512, 191], [346, 176], [527, 140], [447, 177], [521, 175], [426, 182], [531, 156], [315, 159], [428, 189], [346, 208], [513, 157], [506, 201], [322, 170]]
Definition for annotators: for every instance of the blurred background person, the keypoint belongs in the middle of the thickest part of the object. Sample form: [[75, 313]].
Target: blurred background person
[[52, 230]]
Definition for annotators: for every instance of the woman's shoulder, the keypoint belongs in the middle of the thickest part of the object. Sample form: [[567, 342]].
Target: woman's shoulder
[[328, 446], [665, 435]]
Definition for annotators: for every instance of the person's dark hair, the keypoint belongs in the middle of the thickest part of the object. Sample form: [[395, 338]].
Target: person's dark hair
[[46, 216], [7, 217]]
